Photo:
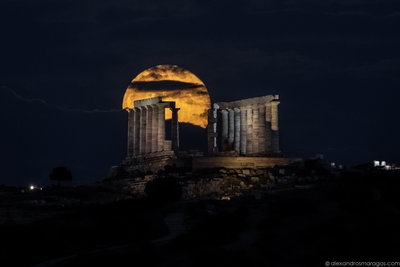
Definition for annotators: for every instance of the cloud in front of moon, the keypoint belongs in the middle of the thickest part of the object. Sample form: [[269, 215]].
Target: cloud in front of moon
[[172, 83]]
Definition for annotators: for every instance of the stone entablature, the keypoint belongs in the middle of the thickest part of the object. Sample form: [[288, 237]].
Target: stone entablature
[[146, 128], [247, 127]]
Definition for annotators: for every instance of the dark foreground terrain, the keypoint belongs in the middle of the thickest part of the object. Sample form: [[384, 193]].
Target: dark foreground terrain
[[355, 217]]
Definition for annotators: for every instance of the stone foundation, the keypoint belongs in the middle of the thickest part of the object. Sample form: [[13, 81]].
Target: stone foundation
[[239, 162], [221, 183]]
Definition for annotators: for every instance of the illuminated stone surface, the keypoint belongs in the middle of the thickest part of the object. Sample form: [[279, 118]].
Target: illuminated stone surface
[[147, 147], [247, 127]]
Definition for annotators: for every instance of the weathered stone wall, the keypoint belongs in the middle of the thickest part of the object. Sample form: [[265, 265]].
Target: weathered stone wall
[[222, 183], [239, 162], [226, 183]]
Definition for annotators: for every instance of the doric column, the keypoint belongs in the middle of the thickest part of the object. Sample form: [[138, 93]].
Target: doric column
[[268, 133], [224, 139], [149, 128], [136, 144], [175, 129], [255, 130], [274, 127], [210, 132], [212, 129], [243, 131], [161, 127], [231, 129], [143, 128], [249, 139], [131, 115], [154, 130], [215, 127], [237, 130], [261, 129]]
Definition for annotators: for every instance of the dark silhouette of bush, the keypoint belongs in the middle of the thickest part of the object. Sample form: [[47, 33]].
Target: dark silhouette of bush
[[60, 174], [164, 189]]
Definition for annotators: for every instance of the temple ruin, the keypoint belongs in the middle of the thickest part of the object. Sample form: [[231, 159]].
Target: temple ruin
[[237, 135], [148, 148], [241, 134], [227, 148], [247, 127]]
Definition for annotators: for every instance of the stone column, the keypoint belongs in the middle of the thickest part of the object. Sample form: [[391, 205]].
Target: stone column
[[154, 130], [261, 129], [149, 126], [210, 132], [249, 138], [215, 126], [175, 129], [255, 130], [274, 127], [131, 115], [143, 128], [231, 129], [224, 139], [243, 131], [136, 145], [161, 127], [212, 129], [237, 130], [268, 147]]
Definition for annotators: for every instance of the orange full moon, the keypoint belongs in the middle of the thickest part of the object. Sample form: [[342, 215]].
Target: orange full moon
[[172, 83]]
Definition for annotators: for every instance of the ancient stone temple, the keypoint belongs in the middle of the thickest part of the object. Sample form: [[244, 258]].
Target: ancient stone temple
[[247, 127], [147, 144], [240, 134]]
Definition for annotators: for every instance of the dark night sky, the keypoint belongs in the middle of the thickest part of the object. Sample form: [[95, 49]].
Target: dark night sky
[[335, 65]]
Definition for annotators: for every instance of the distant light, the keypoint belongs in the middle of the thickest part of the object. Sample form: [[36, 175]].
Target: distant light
[[376, 163], [383, 163], [34, 187]]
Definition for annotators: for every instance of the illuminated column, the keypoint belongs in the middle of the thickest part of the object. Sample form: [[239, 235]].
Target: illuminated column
[[237, 130], [274, 127], [231, 129], [131, 115], [175, 129], [243, 131], [249, 138], [154, 130], [255, 130], [224, 139], [136, 144], [261, 129], [142, 145], [268, 131], [212, 129], [161, 127], [149, 126]]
